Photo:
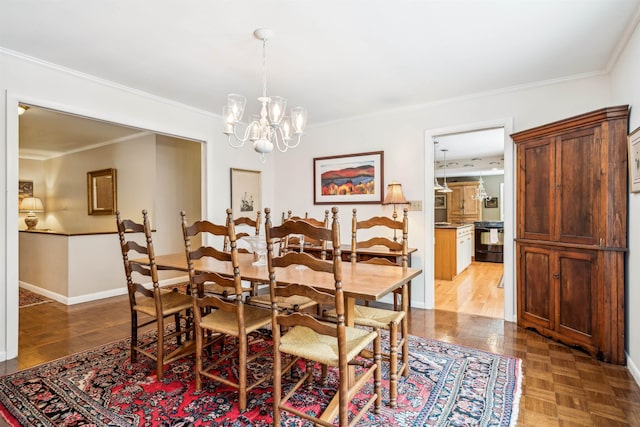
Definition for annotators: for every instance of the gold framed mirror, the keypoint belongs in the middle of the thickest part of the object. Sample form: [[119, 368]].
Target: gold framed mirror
[[102, 192]]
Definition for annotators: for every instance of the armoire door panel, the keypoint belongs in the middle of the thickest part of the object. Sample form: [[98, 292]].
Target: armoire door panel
[[536, 305], [577, 313], [578, 175], [536, 190]]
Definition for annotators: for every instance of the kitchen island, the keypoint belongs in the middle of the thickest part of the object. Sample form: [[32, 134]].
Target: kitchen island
[[453, 249]]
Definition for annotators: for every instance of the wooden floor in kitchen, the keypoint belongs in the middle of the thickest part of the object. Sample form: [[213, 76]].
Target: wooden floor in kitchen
[[477, 290], [561, 386]]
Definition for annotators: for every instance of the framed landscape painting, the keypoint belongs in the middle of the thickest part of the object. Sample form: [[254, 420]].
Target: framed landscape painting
[[246, 192], [349, 178]]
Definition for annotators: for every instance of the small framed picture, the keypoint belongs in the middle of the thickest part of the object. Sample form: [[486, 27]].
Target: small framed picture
[[440, 201], [634, 161], [246, 192], [491, 202], [25, 189]]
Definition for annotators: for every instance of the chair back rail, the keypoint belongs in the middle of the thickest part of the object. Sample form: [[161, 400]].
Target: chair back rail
[[246, 223]]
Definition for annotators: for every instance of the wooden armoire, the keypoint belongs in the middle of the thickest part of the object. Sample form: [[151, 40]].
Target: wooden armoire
[[571, 233]]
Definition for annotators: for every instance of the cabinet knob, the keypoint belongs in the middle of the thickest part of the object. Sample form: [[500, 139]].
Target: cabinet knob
[[556, 275]]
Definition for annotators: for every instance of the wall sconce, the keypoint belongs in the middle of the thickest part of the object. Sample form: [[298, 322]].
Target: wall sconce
[[31, 205]]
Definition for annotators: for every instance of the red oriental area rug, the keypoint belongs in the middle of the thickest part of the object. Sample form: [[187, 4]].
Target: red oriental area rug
[[448, 384]]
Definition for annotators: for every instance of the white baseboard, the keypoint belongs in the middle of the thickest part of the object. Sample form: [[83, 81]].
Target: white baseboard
[[633, 369], [96, 295]]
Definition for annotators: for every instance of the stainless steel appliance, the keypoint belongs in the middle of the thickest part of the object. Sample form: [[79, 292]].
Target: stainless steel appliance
[[489, 241]]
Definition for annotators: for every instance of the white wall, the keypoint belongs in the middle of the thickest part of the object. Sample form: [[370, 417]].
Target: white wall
[[625, 89], [35, 82], [401, 134]]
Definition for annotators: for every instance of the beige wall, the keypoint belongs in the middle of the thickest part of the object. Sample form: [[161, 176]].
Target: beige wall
[[157, 173], [178, 188], [66, 184]]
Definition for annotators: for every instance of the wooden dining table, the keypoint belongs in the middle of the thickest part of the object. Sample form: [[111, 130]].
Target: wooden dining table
[[360, 281]]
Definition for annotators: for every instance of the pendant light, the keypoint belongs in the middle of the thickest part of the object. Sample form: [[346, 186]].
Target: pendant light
[[436, 184], [445, 187]]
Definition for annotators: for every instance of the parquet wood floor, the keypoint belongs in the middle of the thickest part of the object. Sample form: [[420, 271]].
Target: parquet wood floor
[[561, 386]]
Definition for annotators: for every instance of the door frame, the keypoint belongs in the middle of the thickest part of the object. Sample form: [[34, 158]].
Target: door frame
[[509, 203]]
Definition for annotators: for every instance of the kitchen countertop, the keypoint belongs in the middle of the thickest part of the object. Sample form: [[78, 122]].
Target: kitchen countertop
[[454, 226]]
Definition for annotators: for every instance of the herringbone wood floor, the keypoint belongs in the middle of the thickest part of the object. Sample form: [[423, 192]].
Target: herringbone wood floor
[[561, 386]]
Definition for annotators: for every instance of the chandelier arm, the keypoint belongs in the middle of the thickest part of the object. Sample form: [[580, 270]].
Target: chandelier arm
[[289, 145], [232, 142], [240, 140], [278, 137]]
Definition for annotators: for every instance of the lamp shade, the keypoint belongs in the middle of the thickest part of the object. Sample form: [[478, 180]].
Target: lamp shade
[[394, 194], [31, 204]]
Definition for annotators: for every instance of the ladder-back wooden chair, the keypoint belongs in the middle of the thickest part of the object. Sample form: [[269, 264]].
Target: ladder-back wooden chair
[[295, 303], [305, 337], [394, 321], [384, 224], [152, 305], [218, 316], [246, 227], [295, 240]]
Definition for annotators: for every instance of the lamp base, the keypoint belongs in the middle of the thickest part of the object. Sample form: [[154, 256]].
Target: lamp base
[[31, 220]]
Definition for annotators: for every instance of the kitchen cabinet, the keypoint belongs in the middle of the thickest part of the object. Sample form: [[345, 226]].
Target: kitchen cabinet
[[571, 230], [453, 250], [462, 208]]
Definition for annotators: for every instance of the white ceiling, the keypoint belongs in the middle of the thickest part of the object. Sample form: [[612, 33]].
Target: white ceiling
[[338, 58]]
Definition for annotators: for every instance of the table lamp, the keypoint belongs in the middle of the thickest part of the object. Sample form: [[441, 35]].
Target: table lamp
[[394, 197], [31, 205]]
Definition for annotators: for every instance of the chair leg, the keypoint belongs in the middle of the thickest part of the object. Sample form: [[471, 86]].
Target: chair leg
[[198, 332], [393, 364], [160, 349], [242, 372], [134, 336], [405, 348], [277, 384], [176, 319], [377, 382], [405, 330], [309, 380]]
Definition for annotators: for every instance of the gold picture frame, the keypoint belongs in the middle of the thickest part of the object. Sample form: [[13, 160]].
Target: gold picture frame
[[102, 192]]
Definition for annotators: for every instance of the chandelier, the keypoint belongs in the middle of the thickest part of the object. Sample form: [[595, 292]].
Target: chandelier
[[445, 188], [436, 184], [481, 193], [271, 128]]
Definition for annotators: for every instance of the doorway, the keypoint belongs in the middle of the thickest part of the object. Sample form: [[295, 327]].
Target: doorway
[[483, 279], [156, 165]]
